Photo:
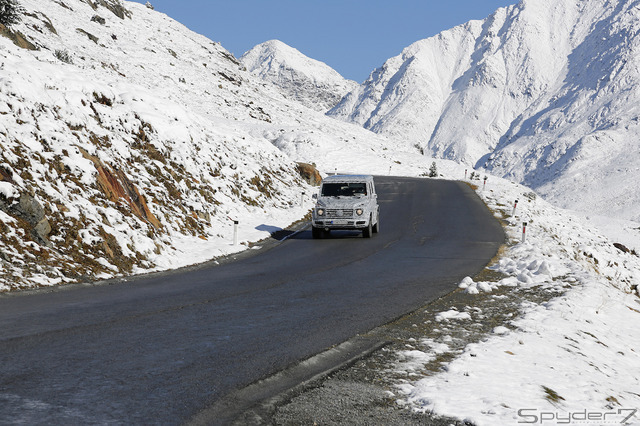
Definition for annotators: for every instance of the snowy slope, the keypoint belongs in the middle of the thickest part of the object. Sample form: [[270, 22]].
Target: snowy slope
[[578, 143], [405, 97], [556, 359], [542, 92], [128, 143], [311, 82]]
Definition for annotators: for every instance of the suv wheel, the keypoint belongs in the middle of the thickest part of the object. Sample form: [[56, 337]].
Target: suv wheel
[[366, 232]]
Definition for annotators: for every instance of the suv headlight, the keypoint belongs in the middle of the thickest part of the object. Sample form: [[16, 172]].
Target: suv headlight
[[320, 212], [359, 211]]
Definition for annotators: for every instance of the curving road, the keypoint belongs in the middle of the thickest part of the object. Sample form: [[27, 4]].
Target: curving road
[[162, 348]]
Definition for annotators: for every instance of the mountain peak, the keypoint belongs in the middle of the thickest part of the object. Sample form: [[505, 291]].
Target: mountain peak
[[311, 82], [539, 92]]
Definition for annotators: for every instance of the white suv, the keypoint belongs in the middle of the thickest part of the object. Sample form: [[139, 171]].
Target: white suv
[[346, 202]]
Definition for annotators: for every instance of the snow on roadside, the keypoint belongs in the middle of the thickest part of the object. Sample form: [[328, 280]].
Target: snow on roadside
[[577, 353]]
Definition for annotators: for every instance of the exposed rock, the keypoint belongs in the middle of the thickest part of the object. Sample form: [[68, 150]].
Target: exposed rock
[[117, 186], [625, 249], [309, 173], [113, 250], [5, 175], [17, 38], [44, 19], [28, 209], [91, 36], [621, 247], [43, 228], [116, 7], [48, 24], [89, 2], [99, 19]]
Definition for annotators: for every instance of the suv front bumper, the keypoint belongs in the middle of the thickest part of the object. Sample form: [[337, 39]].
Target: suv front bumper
[[358, 223]]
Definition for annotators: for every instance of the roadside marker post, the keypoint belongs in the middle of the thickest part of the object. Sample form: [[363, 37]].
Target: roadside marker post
[[235, 230], [513, 213], [465, 174], [485, 183], [302, 199], [524, 231]]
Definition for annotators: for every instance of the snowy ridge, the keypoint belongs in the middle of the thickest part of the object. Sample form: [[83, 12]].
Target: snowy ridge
[[405, 97], [577, 145], [310, 82], [543, 92]]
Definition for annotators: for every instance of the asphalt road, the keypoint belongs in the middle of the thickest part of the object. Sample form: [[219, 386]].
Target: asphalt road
[[163, 348]]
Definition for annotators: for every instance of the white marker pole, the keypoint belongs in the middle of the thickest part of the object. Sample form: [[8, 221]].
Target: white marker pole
[[524, 231], [465, 174], [302, 200], [235, 231], [513, 213]]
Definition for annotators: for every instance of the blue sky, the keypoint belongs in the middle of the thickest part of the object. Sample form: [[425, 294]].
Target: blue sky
[[352, 36]]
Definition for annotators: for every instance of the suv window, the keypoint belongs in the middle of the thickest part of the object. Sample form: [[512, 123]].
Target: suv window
[[343, 189]]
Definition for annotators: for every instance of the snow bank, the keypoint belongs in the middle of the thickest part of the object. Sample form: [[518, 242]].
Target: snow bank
[[573, 354]]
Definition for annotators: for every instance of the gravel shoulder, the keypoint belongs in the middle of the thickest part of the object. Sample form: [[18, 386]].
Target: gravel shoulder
[[367, 392]]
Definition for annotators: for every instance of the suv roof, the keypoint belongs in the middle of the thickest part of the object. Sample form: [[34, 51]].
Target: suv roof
[[348, 178]]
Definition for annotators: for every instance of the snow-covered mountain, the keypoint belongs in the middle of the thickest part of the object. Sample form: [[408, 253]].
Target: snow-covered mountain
[[544, 92], [310, 82], [128, 142]]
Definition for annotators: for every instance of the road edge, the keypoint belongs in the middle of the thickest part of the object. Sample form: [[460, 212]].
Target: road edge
[[256, 403]]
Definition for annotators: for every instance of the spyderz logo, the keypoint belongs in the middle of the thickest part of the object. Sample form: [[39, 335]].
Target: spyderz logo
[[621, 416]]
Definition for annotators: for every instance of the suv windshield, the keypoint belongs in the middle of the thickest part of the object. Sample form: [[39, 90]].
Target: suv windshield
[[344, 189]]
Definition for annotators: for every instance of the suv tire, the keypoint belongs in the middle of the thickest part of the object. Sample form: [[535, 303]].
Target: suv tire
[[366, 232]]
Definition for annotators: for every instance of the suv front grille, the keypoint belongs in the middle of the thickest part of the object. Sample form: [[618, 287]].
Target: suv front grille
[[339, 213]]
